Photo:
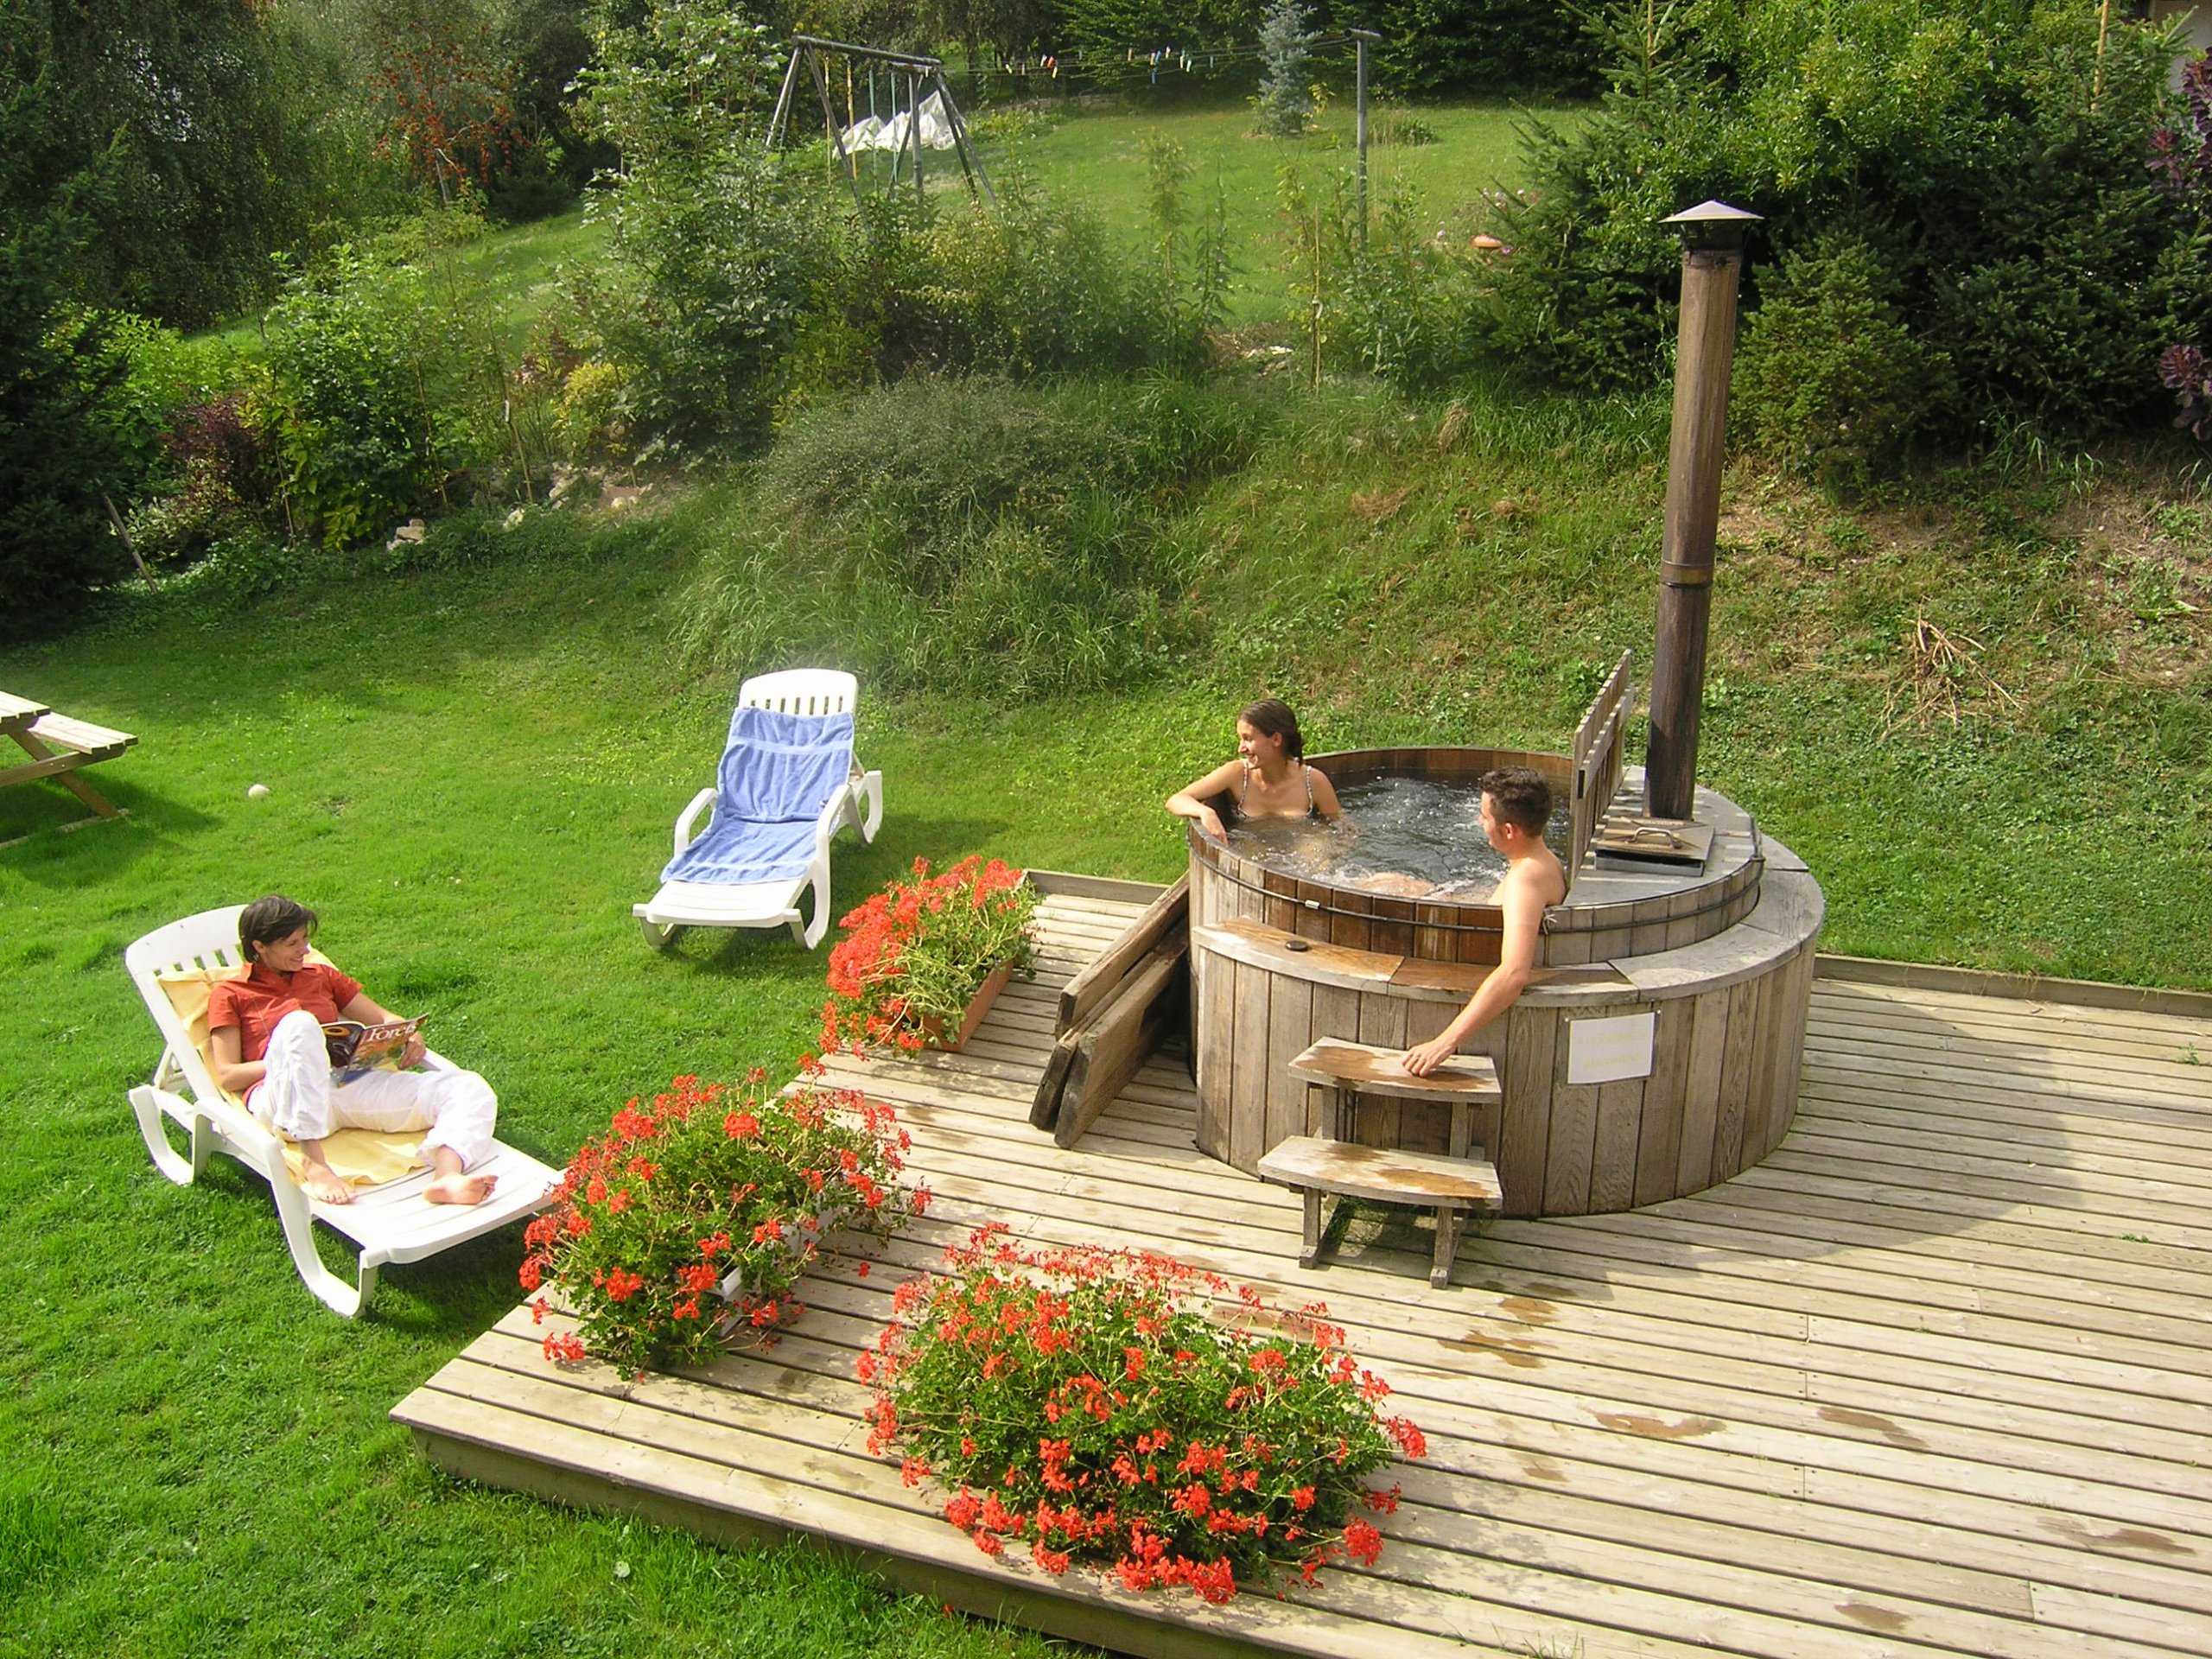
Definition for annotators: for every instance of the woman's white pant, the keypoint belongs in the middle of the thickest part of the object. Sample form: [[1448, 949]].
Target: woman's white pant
[[299, 1099]]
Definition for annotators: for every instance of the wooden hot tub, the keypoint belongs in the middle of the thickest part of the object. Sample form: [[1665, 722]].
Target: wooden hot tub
[[1656, 1054]]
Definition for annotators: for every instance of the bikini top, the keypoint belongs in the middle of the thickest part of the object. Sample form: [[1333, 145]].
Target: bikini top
[[1304, 771]]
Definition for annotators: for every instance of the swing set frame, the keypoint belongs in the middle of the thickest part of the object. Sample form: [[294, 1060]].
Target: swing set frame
[[923, 76]]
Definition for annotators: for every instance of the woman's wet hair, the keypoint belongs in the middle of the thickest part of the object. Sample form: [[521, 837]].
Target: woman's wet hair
[[1271, 717], [1521, 797], [268, 919]]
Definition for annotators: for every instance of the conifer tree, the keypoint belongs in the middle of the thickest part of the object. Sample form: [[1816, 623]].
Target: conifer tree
[[1286, 99]]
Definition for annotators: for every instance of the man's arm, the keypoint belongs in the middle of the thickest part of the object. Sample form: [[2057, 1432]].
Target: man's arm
[[1517, 961]]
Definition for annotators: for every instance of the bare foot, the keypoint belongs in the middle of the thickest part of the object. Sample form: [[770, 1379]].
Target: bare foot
[[322, 1182], [461, 1189]]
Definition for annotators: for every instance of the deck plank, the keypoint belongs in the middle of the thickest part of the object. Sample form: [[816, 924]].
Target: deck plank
[[1930, 1378]]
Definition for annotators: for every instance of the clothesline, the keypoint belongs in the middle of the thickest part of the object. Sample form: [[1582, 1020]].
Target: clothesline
[[1087, 63], [1189, 60]]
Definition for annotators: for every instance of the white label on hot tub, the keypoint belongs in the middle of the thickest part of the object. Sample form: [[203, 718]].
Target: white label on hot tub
[[1606, 1050]]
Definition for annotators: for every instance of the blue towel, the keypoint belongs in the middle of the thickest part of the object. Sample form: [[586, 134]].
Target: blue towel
[[776, 776]]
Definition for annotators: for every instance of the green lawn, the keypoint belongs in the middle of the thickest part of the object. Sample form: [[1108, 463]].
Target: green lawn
[[473, 776], [1097, 155], [198, 1461]]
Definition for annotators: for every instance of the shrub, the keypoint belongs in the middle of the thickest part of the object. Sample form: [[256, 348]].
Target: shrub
[[725, 259], [1410, 303], [1285, 96], [55, 451], [1444, 48], [2037, 253], [592, 417], [915, 955], [1831, 380], [1096, 1405], [1398, 303], [364, 396], [2185, 371], [711, 1196], [1392, 125]]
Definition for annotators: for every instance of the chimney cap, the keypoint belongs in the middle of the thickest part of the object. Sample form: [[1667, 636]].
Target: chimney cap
[[1713, 225]]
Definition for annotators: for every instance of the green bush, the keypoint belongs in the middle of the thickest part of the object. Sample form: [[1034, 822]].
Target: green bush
[[1028, 287], [147, 373], [2037, 252], [368, 395], [1015, 548], [1444, 48], [1830, 379], [1397, 303], [1410, 303]]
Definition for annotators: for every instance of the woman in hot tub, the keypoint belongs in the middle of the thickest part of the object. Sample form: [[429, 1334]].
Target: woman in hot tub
[[1269, 778]]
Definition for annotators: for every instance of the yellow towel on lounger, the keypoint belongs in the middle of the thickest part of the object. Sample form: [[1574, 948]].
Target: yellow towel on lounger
[[360, 1157]]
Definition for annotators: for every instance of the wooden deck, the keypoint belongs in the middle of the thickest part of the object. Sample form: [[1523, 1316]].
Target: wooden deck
[[1932, 1378]]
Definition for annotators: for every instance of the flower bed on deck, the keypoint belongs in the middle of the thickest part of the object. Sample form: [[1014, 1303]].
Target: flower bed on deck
[[1124, 1409], [917, 953], [683, 1230]]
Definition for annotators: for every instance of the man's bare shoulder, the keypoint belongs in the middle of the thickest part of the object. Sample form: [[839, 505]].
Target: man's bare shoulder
[[1541, 881]]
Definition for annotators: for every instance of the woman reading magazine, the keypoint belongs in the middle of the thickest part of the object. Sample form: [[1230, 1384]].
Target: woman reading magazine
[[265, 1036]]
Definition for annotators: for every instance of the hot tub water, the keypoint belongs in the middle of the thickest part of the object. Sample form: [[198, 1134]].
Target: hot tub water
[[1401, 834]]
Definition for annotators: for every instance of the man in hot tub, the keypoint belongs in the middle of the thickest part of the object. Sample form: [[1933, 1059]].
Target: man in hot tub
[[1516, 805]]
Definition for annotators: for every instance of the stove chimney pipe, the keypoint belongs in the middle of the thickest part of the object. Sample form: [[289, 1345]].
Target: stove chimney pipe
[[1713, 263]]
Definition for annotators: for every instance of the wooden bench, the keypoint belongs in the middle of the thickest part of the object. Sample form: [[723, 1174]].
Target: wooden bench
[[58, 746], [1451, 1187]]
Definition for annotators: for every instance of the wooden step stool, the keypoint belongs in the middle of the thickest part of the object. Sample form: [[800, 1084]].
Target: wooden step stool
[[1350, 1070], [1450, 1186]]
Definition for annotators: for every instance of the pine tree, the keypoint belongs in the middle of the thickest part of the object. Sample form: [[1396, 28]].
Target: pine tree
[[1286, 99]]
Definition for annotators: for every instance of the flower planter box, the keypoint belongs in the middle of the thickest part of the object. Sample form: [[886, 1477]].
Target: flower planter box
[[978, 1006], [910, 947]]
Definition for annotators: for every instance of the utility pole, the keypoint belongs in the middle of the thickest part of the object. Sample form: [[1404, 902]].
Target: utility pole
[[1360, 38]]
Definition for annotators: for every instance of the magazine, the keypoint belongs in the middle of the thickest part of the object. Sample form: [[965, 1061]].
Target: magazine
[[356, 1048]]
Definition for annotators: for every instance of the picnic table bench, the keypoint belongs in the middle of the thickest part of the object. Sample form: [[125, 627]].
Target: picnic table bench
[[59, 747]]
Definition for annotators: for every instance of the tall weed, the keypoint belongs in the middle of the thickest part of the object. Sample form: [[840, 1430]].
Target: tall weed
[[969, 535]]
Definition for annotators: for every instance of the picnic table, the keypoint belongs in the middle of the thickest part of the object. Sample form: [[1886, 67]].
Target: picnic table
[[59, 747]]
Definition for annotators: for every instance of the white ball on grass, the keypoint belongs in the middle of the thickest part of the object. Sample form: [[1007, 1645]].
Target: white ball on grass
[[257, 792]]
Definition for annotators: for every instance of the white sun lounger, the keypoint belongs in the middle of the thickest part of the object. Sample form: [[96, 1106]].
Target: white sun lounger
[[680, 904], [390, 1223]]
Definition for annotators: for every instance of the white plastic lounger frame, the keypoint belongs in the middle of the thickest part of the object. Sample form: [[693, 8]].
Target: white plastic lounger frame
[[389, 1222], [680, 904]]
